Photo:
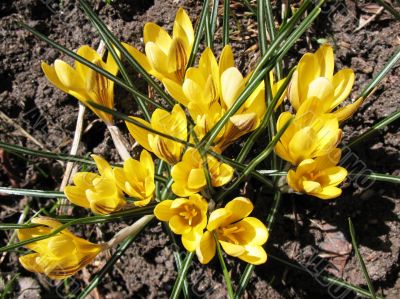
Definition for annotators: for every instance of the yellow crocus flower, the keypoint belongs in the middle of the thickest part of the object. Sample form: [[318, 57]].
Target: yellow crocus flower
[[171, 123], [136, 178], [84, 83], [239, 235], [310, 134], [189, 177], [315, 77], [99, 192], [186, 217], [166, 56], [318, 177], [210, 89], [59, 256]]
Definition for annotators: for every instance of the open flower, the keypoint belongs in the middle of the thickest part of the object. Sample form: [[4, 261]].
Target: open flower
[[186, 217], [84, 83], [315, 77], [59, 256], [99, 192], [189, 177], [136, 178], [239, 235], [318, 177], [310, 134], [166, 57], [173, 124]]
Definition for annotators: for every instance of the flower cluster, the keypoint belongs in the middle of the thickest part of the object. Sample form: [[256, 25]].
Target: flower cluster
[[203, 94], [310, 142]]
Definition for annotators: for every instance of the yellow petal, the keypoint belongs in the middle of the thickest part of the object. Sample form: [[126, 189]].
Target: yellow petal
[[51, 75], [232, 249], [322, 89], [147, 161], [292, 180], [89, 54], [102, 165], [196, 179], [177, 60], [138, 56], [176, 91], [182, 21], [191, 240], [328, 192], [311, 186], [77, 196], [343, 82], [68, 76], [333, 176], [61, 246], [139, 134], [240, 207], [254, 254], [293, 91], [308, 69], [232, 84], [205, 251], [163, 210], [345, 112], [28, 261], [157, 58], [302, 145], [326, 61], [179, 225], [226, 60], [255, 231], [218, 217], [152, 33]]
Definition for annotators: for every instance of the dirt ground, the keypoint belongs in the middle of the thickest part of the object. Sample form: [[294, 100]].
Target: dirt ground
[[310, 233]]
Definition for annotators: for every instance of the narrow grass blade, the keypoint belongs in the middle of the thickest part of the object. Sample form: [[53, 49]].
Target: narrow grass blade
[[181, 276], [86, 62], [110, 263], [374, 82], [198, 35], [374, 129], [126, 54], [385, 178], [225, 23], [250, 7], [360, 259], [225, 271], [31, 192], [389, 8], [209, 35], [257, 160], [262, 32], [214, 15]]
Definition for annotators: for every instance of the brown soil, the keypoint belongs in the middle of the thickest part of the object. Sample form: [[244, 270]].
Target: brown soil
[[308, 232]]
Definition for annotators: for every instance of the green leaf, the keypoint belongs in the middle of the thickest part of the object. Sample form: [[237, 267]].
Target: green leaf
[[225, 23], [181, 276], [31, 192], [360, 259], [390, 9], [225, 271]]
